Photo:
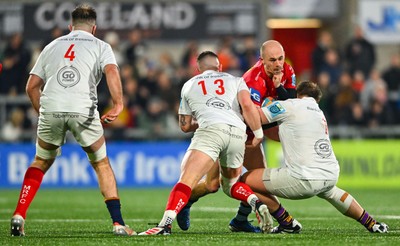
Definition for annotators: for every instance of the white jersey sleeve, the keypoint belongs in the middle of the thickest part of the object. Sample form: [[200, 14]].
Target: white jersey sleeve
[[184, 107]]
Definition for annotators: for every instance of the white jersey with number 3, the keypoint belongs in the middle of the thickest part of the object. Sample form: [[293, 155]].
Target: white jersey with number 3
[[303, 132], [211, 98], [71, 67]]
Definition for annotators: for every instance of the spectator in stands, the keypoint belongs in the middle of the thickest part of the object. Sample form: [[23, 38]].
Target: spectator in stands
[[325, 42], [136, 50], [13, 128], [345, 97], [380, 112], [371, 86], [166, 64], [248, 54], [166, 91], [391, 76], [16, 60], [113, 39], [332, 65], [189, 57], [326, 101], [358, 116], [153, 120], [360, 54], [358, 81]]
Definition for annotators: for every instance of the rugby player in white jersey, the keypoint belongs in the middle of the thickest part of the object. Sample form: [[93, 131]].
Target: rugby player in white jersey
[[69, 70], [311, 168], [215, 100]]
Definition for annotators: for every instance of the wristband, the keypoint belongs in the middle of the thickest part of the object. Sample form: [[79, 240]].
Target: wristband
[[258, 133]]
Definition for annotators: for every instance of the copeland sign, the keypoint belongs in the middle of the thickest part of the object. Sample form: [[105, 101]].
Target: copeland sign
[[118, 16], [175, 20], [380, 20]]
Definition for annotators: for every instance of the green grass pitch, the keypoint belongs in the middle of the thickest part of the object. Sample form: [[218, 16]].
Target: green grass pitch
[[80, 217]]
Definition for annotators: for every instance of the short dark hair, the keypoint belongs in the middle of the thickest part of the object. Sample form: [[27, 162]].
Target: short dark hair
[[205, 54], [84, 14], [310, 89]]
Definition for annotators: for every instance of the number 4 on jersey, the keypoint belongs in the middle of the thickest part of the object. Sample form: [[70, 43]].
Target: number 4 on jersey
[[70, 53]]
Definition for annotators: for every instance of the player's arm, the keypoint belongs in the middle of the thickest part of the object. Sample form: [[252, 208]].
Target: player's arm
[[285, 93], [251, 116], [115, 87], [34, 90], [187, 123], [264, 119], [288, 89]]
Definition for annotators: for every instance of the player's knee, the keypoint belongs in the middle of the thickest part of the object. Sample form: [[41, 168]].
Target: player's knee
[[227, 184], [339, 198], [46, 154], [213, 185], [98, 155]]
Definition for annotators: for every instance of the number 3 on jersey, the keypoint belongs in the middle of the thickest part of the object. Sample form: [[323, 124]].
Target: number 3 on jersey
[[70, 53], [218, 82]]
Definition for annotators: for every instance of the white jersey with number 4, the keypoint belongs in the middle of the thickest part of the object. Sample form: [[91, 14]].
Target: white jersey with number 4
[[71, 67], [303, 132], [211, 98]]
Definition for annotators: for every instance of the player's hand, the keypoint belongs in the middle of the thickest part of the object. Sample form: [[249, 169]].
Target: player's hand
[[112, 114], [254, 143], [277, 78]]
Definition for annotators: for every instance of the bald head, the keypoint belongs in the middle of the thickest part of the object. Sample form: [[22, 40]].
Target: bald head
[[273, 57], [271, 46], [208, 60]]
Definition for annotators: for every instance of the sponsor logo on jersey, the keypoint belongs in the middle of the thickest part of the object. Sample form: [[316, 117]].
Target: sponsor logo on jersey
[[68, 76], [293, 79], [276, 109], [255, 95], [216, 102], [323, 148]]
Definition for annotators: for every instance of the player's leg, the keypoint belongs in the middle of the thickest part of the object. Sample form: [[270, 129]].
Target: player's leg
[[253, 158], [347, 205], [209, 185], [274, 183], [88, 132], [50, 135], [44, 158], [97, 155], [236, 189], [195, 165]]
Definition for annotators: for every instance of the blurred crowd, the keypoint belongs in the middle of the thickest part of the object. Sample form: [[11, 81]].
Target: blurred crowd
[[355, 93]]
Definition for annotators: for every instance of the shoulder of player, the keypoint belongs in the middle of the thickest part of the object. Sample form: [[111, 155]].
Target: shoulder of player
[[288, 69]]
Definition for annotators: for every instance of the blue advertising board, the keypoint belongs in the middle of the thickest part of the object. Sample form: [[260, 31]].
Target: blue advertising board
[[146, 164]]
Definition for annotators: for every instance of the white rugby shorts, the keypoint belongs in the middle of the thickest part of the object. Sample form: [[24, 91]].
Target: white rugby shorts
[[221, 141], [280, 183], [52, 128]]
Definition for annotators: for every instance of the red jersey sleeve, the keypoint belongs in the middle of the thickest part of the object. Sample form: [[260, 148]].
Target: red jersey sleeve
[[289, 80]]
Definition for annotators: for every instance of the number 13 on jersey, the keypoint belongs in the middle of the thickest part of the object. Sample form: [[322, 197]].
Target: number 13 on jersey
[[220, 86]]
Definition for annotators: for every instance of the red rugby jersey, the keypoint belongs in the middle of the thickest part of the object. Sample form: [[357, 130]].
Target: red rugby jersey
[[261, 86]]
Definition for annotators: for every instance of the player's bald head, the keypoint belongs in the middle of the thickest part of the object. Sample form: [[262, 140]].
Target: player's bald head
[[271, 47], [208, 60]]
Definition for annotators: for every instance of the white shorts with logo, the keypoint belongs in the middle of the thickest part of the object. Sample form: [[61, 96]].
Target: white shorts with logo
[[52, 128], [221, 141], [280, 183]]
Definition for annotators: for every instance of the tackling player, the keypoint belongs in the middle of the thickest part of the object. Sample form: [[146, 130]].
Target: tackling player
[[311, 168]]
